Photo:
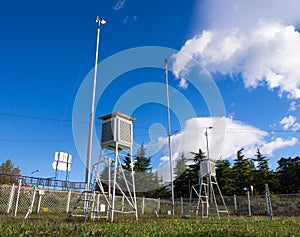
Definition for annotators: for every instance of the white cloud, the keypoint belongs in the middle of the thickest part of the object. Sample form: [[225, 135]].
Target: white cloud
[[244, 14], [190, 50], [293, 106], [290, 123], [183, 83], [224, 139], [119, 5], [278, 143], [268, 55]]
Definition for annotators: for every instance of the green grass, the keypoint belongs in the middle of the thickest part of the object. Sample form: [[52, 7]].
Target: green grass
[[57, 225]]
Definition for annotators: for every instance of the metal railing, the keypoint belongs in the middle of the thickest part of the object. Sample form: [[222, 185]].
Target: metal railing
[[46, 183]]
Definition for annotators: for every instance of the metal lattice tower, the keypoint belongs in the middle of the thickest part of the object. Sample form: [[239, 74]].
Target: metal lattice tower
[[113, 192], [207, 191], [117, 136]]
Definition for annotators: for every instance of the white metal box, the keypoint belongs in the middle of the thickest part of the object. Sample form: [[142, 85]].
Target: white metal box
[[116, 131], [207, 167]]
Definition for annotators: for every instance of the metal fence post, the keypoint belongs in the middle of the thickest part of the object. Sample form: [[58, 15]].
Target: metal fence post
[[235, 204], [268, 201], [18, 196], [143, 205], [181, 203], [158, 205], [123, 202], [32, 203], [249, 204], [68, 201], [39, 203], [11, 198]]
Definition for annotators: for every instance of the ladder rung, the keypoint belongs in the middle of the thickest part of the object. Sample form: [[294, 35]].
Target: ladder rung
[[222, 211]]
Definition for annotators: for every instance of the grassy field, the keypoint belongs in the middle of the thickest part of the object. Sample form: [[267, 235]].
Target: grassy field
[[57, 225]]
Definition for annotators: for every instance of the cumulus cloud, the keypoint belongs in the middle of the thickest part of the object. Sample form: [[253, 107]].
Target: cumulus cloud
[[224, 139], [293, 106], [183, 83], [255, 39], [276, 144], [268, 55], [290, 123], [244, 14]]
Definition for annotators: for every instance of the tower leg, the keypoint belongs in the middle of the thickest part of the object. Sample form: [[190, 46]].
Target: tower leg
[[133, 185], [114, 185]]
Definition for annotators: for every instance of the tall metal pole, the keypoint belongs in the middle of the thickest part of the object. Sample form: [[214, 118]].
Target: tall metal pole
[[109, 177], [209, 186], [92, 114], [169, 136], [206, 135]]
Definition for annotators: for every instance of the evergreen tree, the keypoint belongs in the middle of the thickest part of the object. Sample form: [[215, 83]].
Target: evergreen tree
[[225, 177], [127, 162], [160, 190], [243, 173], [193, 172], [261, 173], [142, 163], [262, 162], [181, 165], [289, 174], [274, 182], [146, 183], [181, 186]]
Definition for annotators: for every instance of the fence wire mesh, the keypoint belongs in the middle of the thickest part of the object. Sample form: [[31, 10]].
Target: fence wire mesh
[[57, 201]]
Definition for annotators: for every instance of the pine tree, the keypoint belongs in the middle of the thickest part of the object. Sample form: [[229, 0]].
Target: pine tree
[[146, 183], [181, 165], [181, 185], [242, 170], [142, 163], [193, 172], [289, 174], [225, 177], [127, 162], [261, 174], [262, 162]]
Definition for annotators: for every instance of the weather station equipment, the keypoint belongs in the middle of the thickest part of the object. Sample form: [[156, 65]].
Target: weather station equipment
[[116, 131], [207, 189], [62, 161], [117, 136]]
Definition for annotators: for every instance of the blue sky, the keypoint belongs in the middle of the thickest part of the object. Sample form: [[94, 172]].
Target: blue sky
[[234, 66]]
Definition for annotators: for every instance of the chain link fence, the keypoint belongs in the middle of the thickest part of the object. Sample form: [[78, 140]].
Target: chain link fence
[[16, 200]]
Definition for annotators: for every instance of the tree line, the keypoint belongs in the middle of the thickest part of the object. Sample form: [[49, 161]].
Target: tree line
[[245, 174]]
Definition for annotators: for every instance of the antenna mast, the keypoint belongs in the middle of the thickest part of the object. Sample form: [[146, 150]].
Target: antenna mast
[[92, 114], [169, 135]]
